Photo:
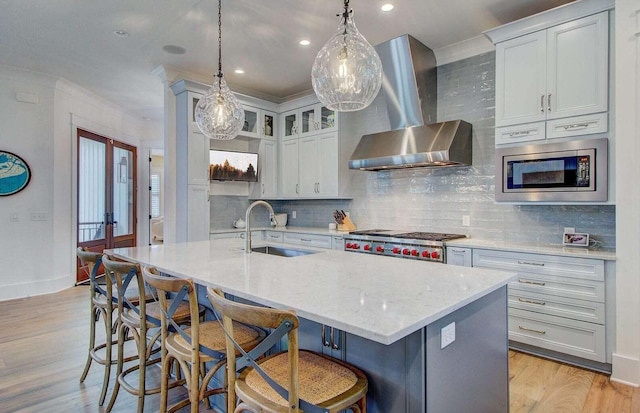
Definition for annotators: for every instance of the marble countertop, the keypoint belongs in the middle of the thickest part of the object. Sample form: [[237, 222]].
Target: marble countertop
[[304, 230], [374, 297], [533, 248]]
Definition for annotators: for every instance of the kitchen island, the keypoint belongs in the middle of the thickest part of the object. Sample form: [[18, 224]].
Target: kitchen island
[[383, 315]]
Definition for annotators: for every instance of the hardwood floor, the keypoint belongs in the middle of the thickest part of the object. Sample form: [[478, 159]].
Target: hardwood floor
[[43, 350]]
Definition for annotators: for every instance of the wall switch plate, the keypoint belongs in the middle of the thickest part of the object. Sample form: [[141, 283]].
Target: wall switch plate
[[466, 220], [569, 230], [447, 335], [38, 216], [293, 214]]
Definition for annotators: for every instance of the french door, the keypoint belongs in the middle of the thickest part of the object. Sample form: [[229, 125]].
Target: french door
[[106, 207]]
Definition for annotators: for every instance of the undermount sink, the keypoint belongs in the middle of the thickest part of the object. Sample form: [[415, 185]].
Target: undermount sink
[[282, 252]]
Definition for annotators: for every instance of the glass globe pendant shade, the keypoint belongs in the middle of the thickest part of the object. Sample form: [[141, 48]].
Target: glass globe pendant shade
[[218, 113], [347, 72]]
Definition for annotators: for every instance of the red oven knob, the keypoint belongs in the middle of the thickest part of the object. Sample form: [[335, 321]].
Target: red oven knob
[[380, 248], [425, 254], [405, 251], [355, 246], [396, 250], [367, 247], [348, 245], [414, 253], [435, 255]]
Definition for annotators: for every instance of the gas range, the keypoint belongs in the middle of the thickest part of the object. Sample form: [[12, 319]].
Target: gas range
[[425, 246]]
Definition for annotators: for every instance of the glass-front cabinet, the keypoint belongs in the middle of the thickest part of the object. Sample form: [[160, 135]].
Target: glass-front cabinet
[[258, 123], [309, 120]]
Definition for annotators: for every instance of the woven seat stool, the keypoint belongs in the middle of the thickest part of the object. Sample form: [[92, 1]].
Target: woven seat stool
[[290, 381], [195, 346], [139, 319]]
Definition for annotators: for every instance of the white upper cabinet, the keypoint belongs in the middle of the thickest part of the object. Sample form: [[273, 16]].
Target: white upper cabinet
[[309, 166], [259, 123], [557, 73], [267, 186], [308, 121]]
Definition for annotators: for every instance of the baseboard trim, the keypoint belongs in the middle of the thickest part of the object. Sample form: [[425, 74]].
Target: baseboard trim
[[33, 288], [626, 370]]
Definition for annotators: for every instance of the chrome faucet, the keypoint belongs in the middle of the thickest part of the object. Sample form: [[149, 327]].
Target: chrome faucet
[[247, 219]]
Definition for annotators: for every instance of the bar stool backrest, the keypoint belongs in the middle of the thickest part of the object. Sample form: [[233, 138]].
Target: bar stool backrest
[[263, 317], [91, 261], [122, 274]]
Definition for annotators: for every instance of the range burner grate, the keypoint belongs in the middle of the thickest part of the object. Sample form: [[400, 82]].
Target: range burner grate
[[429, 236]]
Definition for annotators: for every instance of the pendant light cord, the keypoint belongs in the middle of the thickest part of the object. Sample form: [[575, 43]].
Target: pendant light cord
[[345, 15], [219, 41]]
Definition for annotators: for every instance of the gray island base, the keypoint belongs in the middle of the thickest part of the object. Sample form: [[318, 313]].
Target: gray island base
[[386, 316]]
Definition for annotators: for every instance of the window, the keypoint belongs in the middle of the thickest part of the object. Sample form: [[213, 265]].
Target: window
[[155, 196]]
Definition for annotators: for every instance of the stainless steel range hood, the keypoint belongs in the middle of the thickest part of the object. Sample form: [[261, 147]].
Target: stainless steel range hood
[[410, 88]]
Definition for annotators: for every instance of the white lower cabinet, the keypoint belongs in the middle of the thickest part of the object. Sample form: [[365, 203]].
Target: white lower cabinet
[[555, 303], [459, 256], [273, 236], [311, 240], [337, 243]]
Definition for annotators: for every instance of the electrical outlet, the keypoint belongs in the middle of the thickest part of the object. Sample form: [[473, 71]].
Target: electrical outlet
[[466, 220], [38, 216], [293, 214], [447, 335], [14, 217]]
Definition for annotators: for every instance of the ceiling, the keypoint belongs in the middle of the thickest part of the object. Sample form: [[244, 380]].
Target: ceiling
[[75, 39]]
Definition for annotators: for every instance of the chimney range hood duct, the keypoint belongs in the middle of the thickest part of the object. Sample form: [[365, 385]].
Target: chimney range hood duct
[[410, 88]]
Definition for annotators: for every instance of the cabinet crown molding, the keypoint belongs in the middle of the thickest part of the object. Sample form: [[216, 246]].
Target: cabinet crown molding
[[549, 18]]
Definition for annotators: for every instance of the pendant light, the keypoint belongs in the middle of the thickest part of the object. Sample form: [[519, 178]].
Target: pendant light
[[347, 72], [218, 113]]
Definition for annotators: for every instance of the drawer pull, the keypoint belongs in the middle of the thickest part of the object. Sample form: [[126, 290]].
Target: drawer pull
[[532, 330], [537, 264], [531, 282], [522, 300], [305, 240], [576, 126]]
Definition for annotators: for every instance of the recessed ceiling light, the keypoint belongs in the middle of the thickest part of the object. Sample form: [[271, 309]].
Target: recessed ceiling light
[[239, 71], [305, 42], [387, 7], [173, 49], [121, 33]]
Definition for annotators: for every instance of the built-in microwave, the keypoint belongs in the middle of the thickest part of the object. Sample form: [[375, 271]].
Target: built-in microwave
[[571, 171]]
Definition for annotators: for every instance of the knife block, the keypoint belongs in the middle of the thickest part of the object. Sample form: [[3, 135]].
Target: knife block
[[347, 225]]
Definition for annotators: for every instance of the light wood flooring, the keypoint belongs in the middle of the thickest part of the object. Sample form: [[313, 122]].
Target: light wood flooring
[[43, 344]]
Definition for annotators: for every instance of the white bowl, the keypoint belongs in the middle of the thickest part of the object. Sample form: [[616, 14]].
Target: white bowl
[[281, 219]]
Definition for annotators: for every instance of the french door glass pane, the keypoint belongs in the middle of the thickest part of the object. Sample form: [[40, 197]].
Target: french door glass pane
[[122, 192], [91, 193]]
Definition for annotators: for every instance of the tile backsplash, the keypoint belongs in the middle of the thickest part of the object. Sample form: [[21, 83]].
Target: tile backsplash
[[436, 199]]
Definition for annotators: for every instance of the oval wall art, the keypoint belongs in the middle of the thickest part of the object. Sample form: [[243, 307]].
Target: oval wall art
[[14, 173]]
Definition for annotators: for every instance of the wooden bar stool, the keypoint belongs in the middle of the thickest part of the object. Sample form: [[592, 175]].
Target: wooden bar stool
[[290, 381], [100, 306], [192, 347], [139, 319]]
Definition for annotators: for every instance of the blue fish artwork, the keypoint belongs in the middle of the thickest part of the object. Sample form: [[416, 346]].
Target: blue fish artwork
[[14, 173]]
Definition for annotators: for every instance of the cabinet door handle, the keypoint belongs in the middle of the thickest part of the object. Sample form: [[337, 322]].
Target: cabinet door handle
[[262, 189], [522, 300], [542, 103], [334, 343], [325, 343], [537, 264], [549, 102], [531, 282], [297, 186], [532, 330]]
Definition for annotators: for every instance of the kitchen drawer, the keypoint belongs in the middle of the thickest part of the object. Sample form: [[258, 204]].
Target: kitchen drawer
[[577, 126], [312, 240], [520, 133], [274, 236], [255, 235], [337, 243], [577, 338], [588, 311], [571, 267], [559, 286]]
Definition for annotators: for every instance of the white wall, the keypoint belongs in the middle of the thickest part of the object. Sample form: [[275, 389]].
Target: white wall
[[39, 257], [626, 358]]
